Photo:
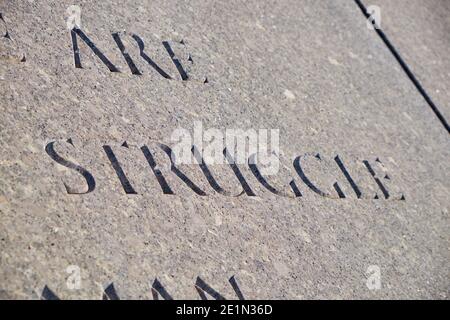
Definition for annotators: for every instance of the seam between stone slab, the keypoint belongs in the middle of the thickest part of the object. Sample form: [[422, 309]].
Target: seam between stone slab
[[405, 68]]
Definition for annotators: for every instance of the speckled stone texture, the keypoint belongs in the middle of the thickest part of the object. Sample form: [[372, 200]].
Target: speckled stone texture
[[311, 69], [420, 31]]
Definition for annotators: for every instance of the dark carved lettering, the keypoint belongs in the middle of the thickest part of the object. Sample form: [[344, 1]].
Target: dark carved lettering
[[144, 56], [130, 62], [175, 61], [162, 181], [110, 293], [48, 294], [127, 187], [312, 186], [158, 288], [202, 287], [238, 174], [348, 177], [76, 51], [378, 181], [257, 173], [49, 148]]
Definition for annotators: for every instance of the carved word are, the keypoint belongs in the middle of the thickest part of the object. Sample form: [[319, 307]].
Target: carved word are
[[246, 188], [117, 37]]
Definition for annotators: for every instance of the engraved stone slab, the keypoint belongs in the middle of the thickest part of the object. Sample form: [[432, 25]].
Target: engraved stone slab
[[92, 206]]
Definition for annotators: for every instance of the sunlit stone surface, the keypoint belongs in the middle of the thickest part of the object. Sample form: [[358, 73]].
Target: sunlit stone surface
[[368, 216]]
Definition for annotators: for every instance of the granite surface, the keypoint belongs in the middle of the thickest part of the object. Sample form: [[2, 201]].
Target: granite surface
[[311, 69], [420, 31]]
